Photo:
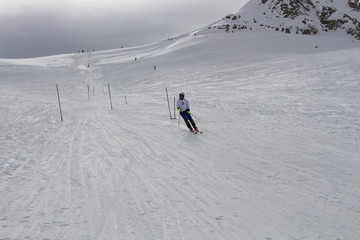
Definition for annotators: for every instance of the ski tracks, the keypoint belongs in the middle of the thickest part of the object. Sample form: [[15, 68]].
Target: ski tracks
[[158, 190], [32, 187]]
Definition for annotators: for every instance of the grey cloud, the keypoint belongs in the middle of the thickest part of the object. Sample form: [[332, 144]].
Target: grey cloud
[[40, 34], [47, 33]]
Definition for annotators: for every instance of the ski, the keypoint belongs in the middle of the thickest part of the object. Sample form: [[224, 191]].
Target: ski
[[196, 131]]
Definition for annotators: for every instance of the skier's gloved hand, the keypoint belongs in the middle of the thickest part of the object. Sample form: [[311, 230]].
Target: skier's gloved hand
[[188, 111], [179, 109]]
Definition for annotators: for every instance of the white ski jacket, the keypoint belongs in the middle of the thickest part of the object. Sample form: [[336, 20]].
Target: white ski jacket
[[182, 104]]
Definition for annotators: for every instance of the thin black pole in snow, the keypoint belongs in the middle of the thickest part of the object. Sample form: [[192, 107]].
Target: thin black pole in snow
[[110, 97], [57, 90]]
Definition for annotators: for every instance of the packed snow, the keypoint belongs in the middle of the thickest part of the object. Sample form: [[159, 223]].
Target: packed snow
[[279, 157]]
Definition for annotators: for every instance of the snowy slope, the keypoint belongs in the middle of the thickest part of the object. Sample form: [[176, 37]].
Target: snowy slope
[[279, 157]]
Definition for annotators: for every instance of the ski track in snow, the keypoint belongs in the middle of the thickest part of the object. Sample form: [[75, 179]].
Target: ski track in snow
[[278, 159]]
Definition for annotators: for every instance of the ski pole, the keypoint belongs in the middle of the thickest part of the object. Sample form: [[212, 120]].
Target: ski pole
[[195, 117]]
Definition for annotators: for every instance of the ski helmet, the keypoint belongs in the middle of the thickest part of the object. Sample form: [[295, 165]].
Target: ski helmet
[[182, 93]]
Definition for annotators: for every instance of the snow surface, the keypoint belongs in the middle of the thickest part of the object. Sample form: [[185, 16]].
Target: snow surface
[[279, 157]]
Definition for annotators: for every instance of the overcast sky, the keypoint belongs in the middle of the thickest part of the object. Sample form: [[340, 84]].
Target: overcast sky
[[31, 28]]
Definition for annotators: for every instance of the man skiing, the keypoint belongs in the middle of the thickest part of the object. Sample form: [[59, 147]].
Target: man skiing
[[184, 107]]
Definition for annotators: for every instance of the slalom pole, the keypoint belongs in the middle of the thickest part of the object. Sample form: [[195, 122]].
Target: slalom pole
[[110, 97], [57, 90], [88, 87], [167, 97], [179, 120], [174, 109]]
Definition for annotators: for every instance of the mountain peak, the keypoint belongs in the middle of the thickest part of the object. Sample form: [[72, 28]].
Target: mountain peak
[[308, 17]]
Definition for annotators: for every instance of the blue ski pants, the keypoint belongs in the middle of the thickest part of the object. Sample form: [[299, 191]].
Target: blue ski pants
[[185, 115]]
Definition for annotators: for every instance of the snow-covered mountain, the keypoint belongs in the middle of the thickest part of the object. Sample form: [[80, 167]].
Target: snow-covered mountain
[[308, 17]]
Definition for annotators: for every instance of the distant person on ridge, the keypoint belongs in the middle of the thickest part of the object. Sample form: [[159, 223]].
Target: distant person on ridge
[[184, 107]]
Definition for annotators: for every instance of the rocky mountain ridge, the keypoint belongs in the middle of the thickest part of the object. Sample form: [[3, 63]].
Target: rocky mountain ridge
[[308, 17]]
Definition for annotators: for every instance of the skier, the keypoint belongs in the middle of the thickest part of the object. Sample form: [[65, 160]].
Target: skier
[[184, 108]]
